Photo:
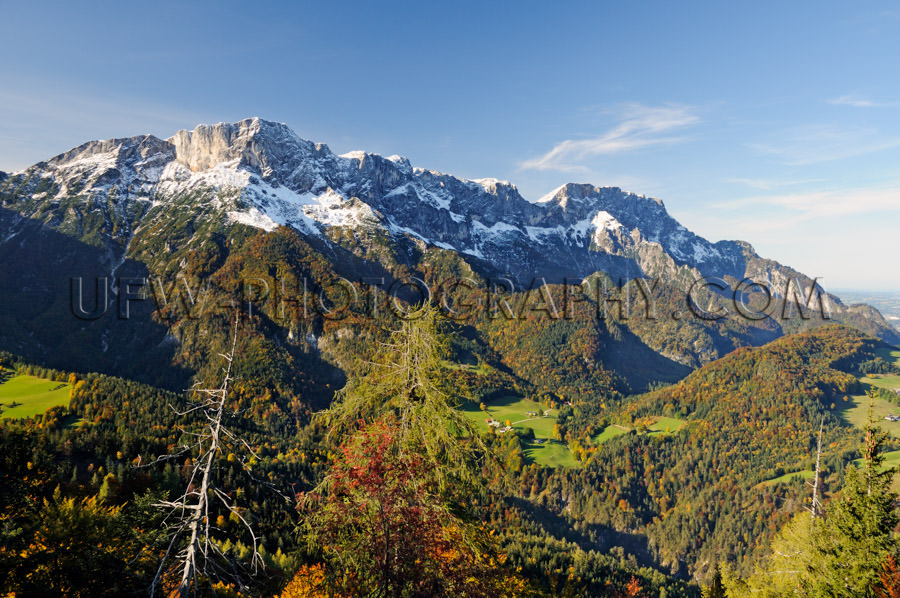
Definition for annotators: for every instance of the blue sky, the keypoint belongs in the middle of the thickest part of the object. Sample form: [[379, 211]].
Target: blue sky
[[777, 123]]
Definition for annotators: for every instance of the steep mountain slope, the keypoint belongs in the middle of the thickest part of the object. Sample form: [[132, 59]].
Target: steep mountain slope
[[212, 214], [749, 417], [181, 207], [276, 178]]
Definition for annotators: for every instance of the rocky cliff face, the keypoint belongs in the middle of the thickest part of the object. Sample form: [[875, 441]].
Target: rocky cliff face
[[261, 174]]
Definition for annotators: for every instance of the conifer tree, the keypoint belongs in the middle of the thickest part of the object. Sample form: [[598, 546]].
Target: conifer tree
[[858, 534], [780, 573], [390, 516], [409, 380]]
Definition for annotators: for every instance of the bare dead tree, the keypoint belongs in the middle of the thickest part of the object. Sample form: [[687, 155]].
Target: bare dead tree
[[815, 507], [189, 514]]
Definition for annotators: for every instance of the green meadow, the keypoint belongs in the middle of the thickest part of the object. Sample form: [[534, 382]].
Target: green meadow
[[26, 396], [660, 425], [806, 474], [609, 432], [856, 410], [515, 410], [666, 425], [551, 453]]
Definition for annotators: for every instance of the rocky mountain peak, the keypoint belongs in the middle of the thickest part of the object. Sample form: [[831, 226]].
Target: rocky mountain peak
[[285, 180], [100, 164], [259, 173], [269, 147], [116, 151]]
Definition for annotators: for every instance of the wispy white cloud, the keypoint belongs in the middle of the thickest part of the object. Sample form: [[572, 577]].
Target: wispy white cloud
[[640, 126], [843, 250], [782, 211], [858, 102], [801, 146], [769, 184]]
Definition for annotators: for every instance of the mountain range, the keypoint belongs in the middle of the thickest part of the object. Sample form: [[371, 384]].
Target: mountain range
[[141, 205], [667, 439]]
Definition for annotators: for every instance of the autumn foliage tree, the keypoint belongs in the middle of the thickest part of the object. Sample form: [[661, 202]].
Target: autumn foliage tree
[[383, 529], [390, 517], [889, 579], [380, 525]]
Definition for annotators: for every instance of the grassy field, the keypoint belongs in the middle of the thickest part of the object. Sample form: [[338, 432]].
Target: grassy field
[[660, 425], [806, 474], [515, 410], [856, 412], [666, 425], [34, 395], [551, 453], [610, 432], [888, 381]]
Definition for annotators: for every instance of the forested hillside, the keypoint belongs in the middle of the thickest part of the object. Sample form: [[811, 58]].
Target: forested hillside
[[237, 363], [640, 510]]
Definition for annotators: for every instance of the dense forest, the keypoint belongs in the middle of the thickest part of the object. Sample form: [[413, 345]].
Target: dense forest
[[391, 491], [353, 456]]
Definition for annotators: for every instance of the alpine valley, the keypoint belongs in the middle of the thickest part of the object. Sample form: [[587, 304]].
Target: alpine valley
[[646, 402]]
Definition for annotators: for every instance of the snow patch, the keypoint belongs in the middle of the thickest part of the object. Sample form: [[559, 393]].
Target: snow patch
[[442, 202], [498, 228], [98, 161], [550, 196], [490, 184], [253, 217], [537, 233], [701, 252], [605, 221]]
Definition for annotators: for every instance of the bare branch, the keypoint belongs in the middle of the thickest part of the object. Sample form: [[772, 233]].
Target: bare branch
[[191, 510]]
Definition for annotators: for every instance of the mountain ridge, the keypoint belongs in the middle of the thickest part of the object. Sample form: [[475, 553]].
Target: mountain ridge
[[251, 142], [261, 174]]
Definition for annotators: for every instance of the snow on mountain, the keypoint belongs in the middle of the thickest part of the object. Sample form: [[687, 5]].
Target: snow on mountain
[[261, 174]]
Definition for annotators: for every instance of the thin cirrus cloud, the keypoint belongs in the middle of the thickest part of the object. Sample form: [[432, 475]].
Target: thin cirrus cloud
[[786, 210], [770, 184], [858, 102], [640, 126], [801, 146]]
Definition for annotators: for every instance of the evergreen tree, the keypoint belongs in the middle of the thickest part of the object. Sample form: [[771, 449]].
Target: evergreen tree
[[779, 574], [716, 588], [105, 493], [858, 533], [409, 380], [390, 517]]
